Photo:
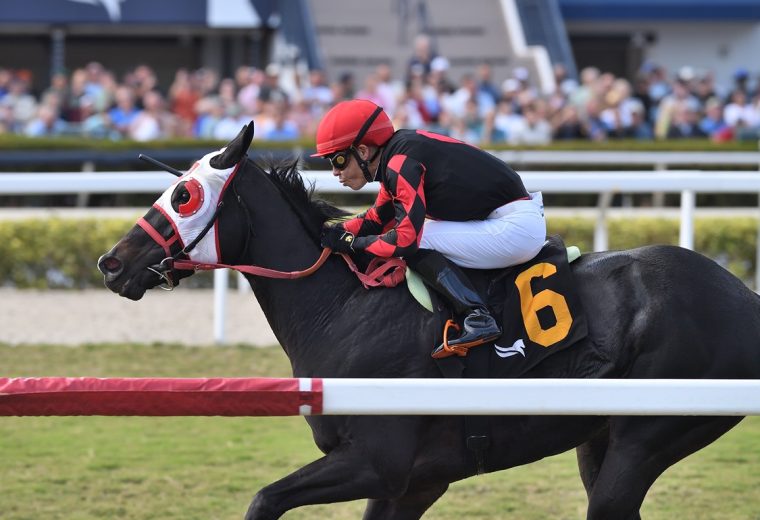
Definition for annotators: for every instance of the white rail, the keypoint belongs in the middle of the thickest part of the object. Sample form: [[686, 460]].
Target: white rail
[[540, 397], [606, 183], [660, 160], [548, 181]]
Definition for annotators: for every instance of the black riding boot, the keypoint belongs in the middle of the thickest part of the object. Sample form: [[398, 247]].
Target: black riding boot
[[450, 282]]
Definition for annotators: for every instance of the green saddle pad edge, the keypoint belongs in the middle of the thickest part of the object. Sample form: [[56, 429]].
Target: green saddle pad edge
[[420, 291]]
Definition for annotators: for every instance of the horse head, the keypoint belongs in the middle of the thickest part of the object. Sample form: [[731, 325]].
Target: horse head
[[183, 223]]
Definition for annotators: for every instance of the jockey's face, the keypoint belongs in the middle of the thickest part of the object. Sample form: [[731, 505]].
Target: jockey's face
[[351, 175]]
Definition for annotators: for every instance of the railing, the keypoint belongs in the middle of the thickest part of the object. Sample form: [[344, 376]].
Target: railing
[[686, 182], [658, 160], [314, 396]]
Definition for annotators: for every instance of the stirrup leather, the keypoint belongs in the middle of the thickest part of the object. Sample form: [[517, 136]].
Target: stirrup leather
[[446, 350]]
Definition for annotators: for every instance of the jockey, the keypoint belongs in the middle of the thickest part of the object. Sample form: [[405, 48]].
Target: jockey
[[479, 214]]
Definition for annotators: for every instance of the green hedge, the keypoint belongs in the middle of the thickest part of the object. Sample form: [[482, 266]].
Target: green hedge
[[732, 242], [61, 253]]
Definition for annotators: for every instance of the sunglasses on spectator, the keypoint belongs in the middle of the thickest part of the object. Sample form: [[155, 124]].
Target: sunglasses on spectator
[[339, 160]]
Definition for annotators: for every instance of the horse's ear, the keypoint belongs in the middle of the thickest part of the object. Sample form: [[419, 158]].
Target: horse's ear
[[235, 149]]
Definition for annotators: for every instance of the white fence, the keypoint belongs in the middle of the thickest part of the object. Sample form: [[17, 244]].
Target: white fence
[[540, 397], [657, 160], [686, 182]]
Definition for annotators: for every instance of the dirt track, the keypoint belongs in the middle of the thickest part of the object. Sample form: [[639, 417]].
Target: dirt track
[[99, 316]]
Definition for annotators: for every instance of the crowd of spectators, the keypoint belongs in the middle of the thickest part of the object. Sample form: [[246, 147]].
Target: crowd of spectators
[[659, 104]]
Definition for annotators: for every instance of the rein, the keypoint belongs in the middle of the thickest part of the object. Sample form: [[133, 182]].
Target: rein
[[380, 273], [193, 265]]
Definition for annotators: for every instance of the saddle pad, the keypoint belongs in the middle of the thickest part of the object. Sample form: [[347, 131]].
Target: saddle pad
[[540, 312]]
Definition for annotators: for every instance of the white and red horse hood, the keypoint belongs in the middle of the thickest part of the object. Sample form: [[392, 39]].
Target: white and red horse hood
[[191, 202]]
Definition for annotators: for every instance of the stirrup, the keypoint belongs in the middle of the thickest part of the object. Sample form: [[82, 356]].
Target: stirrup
[[446, 350]]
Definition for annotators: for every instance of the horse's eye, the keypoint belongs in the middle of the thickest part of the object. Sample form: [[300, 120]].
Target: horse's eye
[[187, 198]]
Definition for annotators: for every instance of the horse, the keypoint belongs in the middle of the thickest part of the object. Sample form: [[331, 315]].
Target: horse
[[653, 312]]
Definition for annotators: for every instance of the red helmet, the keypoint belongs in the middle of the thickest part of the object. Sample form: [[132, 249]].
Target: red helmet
[[342, 125]]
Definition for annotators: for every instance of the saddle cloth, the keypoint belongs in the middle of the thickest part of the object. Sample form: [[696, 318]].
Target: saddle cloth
[[540, 311], [536, 304]]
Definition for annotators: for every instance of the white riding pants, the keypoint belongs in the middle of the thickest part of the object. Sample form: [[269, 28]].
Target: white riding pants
[[510, 235]]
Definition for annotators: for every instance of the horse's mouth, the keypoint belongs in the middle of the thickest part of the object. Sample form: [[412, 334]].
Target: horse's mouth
[[133, 287]]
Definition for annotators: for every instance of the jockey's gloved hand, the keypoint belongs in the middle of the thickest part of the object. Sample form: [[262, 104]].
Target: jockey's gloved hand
[[337, 239]]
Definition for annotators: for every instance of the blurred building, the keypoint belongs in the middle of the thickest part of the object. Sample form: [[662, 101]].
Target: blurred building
[[515, 37], [620, 35]]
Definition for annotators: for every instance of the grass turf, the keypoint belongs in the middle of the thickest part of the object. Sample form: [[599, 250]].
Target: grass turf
[[209, 468]]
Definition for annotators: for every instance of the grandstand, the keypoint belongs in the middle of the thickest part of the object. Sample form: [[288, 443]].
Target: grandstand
[[340, 35]]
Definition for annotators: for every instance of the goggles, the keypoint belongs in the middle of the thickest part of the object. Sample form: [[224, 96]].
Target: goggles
[[339, 160]]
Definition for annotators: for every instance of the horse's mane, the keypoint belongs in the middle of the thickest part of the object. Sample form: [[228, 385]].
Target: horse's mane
[[287, 177]]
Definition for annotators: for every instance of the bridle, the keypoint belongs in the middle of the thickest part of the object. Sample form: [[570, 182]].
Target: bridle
[[379, 274], [158, 225]]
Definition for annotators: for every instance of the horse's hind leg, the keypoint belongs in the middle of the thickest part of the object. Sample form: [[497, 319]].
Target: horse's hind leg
[[639, 450], [590, 457], [411, 506]]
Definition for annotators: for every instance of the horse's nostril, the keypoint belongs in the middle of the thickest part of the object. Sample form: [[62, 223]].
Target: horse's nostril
[[109, 265]]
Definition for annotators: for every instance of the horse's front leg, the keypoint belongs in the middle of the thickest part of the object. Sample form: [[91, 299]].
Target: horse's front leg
[[352, 471]]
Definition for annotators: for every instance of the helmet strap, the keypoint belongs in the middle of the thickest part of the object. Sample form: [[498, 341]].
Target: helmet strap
[[364, 165]]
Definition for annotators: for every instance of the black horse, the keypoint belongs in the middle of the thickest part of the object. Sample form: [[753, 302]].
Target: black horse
[[653, 312]]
